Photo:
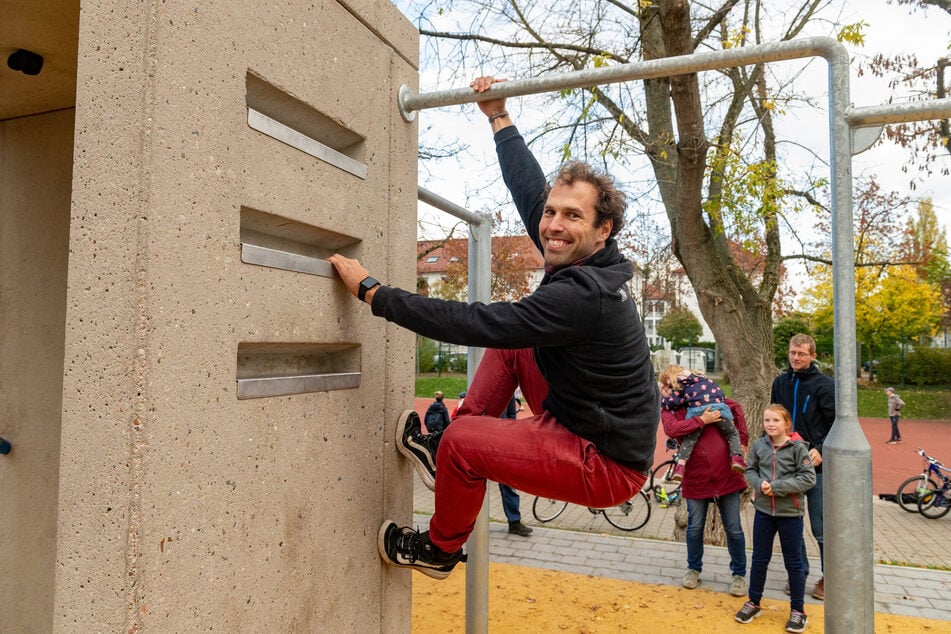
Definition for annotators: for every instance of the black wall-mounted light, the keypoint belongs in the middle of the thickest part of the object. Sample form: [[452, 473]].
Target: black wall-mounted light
[[27, 62]]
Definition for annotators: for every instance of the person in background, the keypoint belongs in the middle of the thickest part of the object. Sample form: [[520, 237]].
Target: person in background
[[895, 404], [696, 393], [437, 415], [709, 478], [809, 396], [779, 472], [455, 410], [510, 501]]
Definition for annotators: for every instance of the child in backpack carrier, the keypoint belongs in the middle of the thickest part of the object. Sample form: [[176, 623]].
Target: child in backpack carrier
[[437, 415], [693, 391]]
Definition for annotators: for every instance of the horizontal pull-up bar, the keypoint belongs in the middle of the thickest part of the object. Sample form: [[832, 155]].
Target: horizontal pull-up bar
[[899, 112], [793, 49], [437, 201]]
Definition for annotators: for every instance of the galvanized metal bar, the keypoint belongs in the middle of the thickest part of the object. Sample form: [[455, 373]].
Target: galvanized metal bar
[[477, 565], [296, 139], [846, 454], [899, 112], [449, 207], [263, 256], [480, 290], [282, 385], [665, 67]]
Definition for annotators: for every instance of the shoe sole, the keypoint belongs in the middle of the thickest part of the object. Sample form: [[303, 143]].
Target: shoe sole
[[381, 548], [421, 470]]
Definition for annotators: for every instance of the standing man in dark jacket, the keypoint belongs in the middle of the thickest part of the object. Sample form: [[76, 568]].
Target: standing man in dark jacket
[[809, 395], [710, 478], [575, 346]]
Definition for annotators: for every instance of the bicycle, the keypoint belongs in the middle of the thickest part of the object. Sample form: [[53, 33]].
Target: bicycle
[[935, 502], [626, 516], [664, 488], [911, 490]]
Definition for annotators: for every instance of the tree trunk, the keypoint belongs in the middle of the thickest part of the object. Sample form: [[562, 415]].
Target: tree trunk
[[728, 301]]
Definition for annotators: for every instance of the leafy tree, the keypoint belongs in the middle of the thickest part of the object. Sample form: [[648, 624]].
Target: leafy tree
[[895, 305], [783, 331], [680, 326], [926, 244]]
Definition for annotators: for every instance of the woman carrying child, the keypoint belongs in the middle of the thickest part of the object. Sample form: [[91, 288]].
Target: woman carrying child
[[780, 472], [694, 392]]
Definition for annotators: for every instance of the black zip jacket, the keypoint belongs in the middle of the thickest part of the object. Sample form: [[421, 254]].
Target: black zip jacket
[[810, 398], [581, 321]]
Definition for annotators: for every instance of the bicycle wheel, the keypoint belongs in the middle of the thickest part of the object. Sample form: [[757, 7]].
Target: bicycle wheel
[[934, 504], [547, 509], [630, 515], [661, 480], [911, 490]]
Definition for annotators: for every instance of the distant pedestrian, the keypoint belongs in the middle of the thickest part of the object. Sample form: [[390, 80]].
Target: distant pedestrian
[[437, 416], [780, 471], [895, 405], [510, 499]]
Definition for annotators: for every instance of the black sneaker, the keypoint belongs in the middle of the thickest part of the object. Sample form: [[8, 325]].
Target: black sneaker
[[797, 622], [517, 528], [420, 448], [748, 612], [408, 548]]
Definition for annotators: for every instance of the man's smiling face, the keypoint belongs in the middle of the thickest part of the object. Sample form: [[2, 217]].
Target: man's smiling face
[[567, 228]]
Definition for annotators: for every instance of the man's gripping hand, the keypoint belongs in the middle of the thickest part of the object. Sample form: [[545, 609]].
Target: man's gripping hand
[[492, 106], [352, 273]]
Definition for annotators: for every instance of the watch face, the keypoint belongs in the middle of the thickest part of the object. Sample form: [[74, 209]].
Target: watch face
[[365, 286]]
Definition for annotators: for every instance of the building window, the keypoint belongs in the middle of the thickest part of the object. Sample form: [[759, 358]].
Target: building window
[[432, 258]]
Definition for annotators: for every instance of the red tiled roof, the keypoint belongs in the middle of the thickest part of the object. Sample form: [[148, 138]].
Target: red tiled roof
[[437, 249]]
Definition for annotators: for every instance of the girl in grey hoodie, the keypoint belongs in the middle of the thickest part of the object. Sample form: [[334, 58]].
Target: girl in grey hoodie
[[779, 471]]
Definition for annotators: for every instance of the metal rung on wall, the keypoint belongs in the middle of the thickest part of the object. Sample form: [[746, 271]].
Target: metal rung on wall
[[283, 385], [286, 134], [262, 256]]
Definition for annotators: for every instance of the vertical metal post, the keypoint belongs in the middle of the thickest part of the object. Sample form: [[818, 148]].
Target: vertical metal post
[[477, 566], [847, 456]]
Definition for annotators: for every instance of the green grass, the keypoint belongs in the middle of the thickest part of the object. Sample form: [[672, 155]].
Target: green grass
[[450, 384], [921, 403]]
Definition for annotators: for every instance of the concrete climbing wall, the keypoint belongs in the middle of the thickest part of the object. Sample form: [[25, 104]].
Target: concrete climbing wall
[[224, 455]]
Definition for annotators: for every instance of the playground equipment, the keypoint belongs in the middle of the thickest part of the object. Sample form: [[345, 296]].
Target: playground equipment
[[848, 522]]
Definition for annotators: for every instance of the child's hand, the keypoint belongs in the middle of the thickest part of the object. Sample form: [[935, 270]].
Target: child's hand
[[766, 488]]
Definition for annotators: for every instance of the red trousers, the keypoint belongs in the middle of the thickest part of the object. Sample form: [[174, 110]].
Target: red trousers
[[536, 455]]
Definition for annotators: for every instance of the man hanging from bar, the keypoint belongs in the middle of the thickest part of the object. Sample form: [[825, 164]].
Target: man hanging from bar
[[576, 346]]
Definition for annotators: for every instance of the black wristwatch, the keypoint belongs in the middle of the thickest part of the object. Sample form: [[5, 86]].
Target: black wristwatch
[[367, 283]]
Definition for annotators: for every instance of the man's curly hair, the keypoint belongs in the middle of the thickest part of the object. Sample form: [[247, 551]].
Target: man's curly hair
[[611, 204]]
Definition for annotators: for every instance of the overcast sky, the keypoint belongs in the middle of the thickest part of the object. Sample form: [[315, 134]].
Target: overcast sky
[[891, 30]]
